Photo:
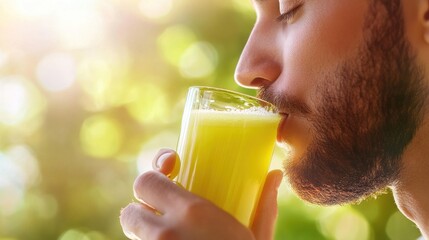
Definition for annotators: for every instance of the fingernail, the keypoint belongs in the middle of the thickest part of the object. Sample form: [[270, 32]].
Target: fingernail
[[161, 159]]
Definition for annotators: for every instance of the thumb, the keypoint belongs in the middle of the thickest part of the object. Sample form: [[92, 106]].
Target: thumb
[[266, 213]]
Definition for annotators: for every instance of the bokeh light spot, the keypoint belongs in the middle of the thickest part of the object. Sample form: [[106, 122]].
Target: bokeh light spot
[[18, 171], [104, 78], [174, 41], [19, 101], [45, 206], [56, 72], [11, 198], [95, 76], [73, 234], [149, 104], [243, 6], [398, 227], [199, 60], [94, 235], [14, 101], [101, 136], [28, 166], [155, 9], [344, 224]]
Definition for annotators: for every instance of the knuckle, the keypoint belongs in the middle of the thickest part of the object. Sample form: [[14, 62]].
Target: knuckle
[[145, 179], [195, 209]]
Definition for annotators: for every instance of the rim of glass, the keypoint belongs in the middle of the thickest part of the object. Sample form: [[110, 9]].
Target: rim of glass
[[203, 88]]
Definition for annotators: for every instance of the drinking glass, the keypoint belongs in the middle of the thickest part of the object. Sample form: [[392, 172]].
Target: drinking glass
[[225, 146]]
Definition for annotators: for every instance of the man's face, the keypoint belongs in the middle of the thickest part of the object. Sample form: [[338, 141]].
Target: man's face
[[346, 81]]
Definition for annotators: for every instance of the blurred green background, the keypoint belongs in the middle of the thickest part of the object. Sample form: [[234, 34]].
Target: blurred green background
[[91, 89]]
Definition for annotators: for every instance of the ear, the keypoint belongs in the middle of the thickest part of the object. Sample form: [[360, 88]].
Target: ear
[[424, 16]]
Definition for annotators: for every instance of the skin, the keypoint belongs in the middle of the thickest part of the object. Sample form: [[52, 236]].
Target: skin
[[304, 67]]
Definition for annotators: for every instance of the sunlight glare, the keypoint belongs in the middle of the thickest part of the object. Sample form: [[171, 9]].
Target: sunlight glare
[[79, 25], [155, 9], [31, 8]]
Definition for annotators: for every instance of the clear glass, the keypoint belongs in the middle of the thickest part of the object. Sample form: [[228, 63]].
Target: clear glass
[[226, 145]]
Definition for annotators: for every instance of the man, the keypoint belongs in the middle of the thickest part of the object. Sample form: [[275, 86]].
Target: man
[[351, 81]]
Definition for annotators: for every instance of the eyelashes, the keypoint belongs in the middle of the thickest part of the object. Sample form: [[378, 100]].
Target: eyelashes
[[289, 15]]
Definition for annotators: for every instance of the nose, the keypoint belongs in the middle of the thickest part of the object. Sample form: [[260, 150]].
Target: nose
[[260, 62]]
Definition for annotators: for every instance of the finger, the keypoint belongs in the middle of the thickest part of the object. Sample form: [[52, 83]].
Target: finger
[[266, 213], [139, 222], [159, 192], [167, 162]]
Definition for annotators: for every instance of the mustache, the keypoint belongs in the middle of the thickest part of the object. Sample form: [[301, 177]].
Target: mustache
[[284, 102]]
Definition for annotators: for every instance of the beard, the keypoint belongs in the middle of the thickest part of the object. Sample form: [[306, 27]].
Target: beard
[[369, 111]]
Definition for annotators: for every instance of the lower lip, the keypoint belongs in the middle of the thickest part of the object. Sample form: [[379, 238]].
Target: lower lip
[[280, 128]]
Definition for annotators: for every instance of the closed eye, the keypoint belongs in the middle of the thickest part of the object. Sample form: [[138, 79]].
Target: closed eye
[[288, 16]]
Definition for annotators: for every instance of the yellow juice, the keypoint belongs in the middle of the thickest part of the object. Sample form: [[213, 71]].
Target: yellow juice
[[225, 158]]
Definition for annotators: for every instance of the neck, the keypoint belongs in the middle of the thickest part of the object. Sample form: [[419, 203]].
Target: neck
[[411, 190]]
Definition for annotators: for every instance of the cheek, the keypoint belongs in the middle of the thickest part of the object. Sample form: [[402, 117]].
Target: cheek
[[313, 48], [318, 42]]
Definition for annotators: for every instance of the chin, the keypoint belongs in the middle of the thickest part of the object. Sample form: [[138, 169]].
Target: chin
[[320, 181]]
